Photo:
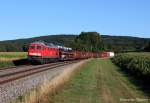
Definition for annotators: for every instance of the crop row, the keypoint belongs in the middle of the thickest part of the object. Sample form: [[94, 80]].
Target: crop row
[[11, 55], [137, 63], [7, 59]]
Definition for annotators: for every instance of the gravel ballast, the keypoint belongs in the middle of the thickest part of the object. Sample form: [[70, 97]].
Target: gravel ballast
[[12, 90]]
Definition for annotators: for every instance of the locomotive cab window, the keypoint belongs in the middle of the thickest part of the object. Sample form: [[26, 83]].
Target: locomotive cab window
[[32, 47], [38, 47]]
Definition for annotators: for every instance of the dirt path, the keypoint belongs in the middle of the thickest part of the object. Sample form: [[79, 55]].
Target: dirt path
[[115, 86]]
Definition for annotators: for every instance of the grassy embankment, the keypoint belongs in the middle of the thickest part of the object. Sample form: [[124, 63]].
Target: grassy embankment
[[8, 58], [99, 81], [39, 94]]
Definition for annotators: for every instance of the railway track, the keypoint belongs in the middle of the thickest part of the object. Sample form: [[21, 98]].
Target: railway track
[[11, 75], [15, 69], [12, 67]]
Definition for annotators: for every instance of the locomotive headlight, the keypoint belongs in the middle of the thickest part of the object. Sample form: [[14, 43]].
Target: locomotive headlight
[[38, 54], [35, 54]]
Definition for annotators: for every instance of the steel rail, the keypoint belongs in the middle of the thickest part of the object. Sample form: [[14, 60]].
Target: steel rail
[[21, 74], [17, 70]]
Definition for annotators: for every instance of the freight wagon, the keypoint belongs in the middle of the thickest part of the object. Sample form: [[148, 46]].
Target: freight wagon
[[106, 54]]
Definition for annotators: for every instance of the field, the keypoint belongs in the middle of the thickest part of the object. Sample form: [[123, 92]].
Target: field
[[137, 63], [98, 81], [7, 58]]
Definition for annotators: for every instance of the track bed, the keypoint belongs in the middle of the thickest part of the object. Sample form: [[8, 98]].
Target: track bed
[[16, 83]]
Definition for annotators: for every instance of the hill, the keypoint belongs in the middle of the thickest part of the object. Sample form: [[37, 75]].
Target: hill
[[21, 44], [124, 43], [117, 43]]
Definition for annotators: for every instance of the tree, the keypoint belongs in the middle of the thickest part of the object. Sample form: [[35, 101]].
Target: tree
[[147, 47], [88, 41], [25, 47]]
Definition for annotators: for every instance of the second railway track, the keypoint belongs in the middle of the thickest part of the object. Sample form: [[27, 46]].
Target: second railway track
[[15, 70], [17, 74]]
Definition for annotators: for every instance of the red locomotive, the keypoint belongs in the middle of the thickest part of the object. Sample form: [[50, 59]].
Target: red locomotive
[[43, 52]]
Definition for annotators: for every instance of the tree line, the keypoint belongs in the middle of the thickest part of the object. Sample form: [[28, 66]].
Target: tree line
[[88, 41], [85, 41]]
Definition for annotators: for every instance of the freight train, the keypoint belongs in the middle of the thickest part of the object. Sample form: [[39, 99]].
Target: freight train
[[42, 52]]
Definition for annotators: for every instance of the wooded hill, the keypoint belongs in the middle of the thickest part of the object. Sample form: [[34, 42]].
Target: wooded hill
[[114, 43]]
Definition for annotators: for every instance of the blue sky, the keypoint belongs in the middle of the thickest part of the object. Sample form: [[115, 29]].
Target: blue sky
[[30, 18]]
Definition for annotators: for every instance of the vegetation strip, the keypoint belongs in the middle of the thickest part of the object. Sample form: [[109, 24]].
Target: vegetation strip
[[84, 87], [99, 81], [37, 94], [9, 59]]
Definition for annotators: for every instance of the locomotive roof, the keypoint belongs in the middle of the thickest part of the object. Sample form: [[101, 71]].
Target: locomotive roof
[[45, 44], [52, 45]]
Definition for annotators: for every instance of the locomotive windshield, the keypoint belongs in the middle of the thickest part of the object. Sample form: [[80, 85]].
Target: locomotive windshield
[[38, 47], [32, 47]]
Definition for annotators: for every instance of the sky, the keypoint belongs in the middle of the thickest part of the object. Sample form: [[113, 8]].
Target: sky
[[31, 18]]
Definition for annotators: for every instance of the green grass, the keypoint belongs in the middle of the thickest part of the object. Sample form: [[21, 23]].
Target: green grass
[[99, 81], [82, 88], [13, 54], [118, 84], [6, 64], [7, 58]]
